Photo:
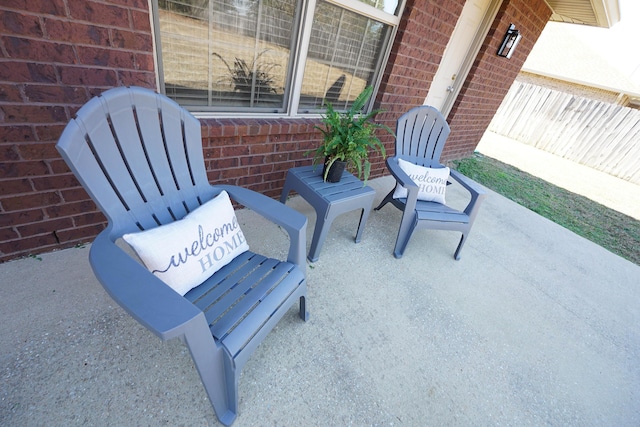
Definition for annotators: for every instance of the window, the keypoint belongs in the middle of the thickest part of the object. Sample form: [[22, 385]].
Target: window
[[271, 56]]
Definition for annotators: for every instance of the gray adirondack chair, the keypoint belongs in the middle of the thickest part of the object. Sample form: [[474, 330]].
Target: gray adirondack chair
[[420, 137], [139, 156]]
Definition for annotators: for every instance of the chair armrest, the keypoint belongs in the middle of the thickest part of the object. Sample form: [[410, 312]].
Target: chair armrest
[[478, 192], [404, 180], [400, 175], [294, 223], [472, 186], [145, 297]]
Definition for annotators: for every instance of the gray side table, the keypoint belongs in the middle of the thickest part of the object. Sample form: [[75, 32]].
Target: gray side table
[[329, 200]]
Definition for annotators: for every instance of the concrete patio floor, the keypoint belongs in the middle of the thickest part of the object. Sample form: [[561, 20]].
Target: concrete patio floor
[[533, 326]]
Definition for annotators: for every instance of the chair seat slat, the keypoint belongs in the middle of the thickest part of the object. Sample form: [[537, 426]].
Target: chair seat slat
[[256, 287], [224, 279], [273, 291], [433, 211], [236, 289]]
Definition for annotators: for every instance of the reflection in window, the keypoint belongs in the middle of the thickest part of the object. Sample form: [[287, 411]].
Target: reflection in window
[[344, 52], [226, 53]]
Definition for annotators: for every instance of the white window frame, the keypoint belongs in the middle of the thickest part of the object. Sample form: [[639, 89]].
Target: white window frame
[[293, 91]]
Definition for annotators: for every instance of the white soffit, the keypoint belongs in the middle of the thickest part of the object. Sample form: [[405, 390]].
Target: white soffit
[[596, 13]]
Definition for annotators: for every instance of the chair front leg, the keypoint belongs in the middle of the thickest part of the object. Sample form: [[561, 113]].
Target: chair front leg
[[408, 223], [216, 370], [463, 239], [474, 206], [304, 314], [407, 226]]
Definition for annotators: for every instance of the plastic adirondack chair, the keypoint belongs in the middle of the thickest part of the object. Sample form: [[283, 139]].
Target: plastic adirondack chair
[[139, 155], [420, 137]]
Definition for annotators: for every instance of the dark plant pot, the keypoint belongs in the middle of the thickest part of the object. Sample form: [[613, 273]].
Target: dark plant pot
[[335, 171]]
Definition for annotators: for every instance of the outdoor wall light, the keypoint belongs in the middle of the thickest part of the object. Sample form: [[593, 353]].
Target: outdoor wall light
[[511, 40]]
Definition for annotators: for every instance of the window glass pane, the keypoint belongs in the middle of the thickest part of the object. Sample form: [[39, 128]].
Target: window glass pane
[[226, 54], [344, 53]]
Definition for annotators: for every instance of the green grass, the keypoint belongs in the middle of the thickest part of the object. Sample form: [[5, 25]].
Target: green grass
[[606, 227]]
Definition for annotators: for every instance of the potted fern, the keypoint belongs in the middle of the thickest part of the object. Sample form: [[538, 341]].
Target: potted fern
[[347, 138]]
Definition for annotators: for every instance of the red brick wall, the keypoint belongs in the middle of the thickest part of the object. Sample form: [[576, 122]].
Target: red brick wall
[[257, 153], [55, 55], [491, 76]]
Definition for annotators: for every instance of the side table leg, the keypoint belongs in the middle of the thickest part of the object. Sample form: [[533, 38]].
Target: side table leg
[[286, 189], [363, 220], [319, 235]]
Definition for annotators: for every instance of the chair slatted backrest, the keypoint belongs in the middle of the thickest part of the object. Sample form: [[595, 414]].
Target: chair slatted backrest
[[140, 157], [420, 136]]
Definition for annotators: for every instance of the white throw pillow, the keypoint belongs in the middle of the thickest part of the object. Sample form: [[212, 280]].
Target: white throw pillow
[[187, 252], [431, 181]]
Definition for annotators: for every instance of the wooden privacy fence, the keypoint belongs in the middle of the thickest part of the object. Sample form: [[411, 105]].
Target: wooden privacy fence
[[597, 134]]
